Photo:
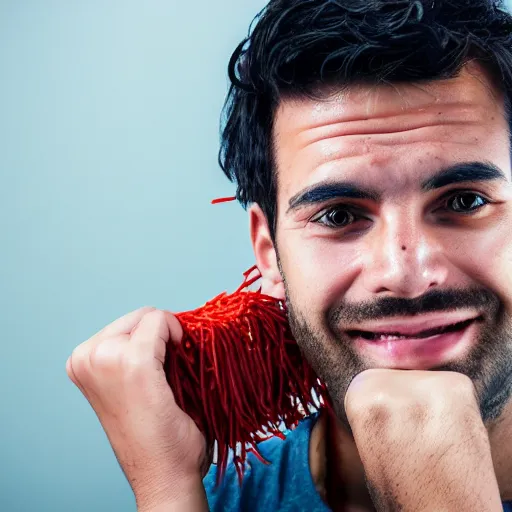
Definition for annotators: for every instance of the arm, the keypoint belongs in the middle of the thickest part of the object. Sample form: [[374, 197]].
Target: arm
[[422, 442], [192, 501], [158, 446]]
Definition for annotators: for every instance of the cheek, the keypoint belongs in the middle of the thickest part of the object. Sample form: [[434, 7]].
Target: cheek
[[319, 272], [485, 257]]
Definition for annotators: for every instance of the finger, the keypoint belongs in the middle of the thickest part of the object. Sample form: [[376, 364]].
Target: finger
[[174, 326], [72, 375], [121, 327], [125, 324], [88, 357], [69, 370], [354, 385], [149, 339]]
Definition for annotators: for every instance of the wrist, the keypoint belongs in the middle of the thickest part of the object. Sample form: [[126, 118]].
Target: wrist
[[177, 495]]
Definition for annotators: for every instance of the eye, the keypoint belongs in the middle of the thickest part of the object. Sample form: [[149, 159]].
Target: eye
[[466, 202], [337, 217]]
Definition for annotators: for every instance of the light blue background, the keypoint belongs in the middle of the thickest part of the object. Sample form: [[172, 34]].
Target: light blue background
[[109, 115]]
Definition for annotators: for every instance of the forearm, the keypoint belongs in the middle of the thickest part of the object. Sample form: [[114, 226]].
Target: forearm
[[451, 479], [422, 442], [193, 503], [387, 498], [189, 499], [440, 496]]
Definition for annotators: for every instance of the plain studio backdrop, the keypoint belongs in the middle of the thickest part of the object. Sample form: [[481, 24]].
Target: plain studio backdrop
[[109, 131]]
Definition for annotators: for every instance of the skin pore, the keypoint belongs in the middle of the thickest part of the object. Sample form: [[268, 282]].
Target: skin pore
[[395, 200]]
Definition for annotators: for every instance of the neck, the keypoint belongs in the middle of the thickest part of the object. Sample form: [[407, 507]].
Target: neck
[[338, 447]]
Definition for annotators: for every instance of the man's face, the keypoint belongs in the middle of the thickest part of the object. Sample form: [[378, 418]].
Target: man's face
[[394, 232]]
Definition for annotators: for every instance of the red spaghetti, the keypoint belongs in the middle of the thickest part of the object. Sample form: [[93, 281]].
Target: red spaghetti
[[239, 373]]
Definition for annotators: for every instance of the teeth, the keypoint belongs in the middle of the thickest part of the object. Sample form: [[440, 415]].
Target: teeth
[[375, 336], [389, 337]]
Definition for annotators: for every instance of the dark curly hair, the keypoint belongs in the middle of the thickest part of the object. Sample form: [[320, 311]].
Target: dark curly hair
[[295, 46]]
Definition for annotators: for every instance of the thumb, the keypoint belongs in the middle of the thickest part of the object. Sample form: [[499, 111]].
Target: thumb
[[175, 328]]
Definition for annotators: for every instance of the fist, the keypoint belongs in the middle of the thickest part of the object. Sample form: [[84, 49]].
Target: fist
[[120, 372], [378, 395], [422, 441]]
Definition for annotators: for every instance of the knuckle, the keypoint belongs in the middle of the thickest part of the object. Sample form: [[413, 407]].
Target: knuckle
[[69, 369], [417, 412], [463, 383], [151, 318], [464, 390], [135, 372], [157, 315], [453, 384], [379, 414], [131, 365], [375, 407], [77, 367], [146, 309], [105, 355], [377, 419], [78, 359]]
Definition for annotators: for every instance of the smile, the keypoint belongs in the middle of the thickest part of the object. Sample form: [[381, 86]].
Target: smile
[[427, 333], [417, 343]]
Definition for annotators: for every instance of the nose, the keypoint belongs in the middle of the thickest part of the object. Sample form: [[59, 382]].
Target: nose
[[404, 258]]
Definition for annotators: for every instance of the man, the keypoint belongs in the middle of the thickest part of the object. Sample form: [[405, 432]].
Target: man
[[371, 139]]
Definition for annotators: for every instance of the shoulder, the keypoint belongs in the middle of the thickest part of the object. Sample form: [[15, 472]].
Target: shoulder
[[284, 484]]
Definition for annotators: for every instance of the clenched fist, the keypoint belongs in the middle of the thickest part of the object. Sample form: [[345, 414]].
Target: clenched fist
[[422, 441], [159, 447]]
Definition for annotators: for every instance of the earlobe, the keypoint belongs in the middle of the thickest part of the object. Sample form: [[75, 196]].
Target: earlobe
[[265, 253]]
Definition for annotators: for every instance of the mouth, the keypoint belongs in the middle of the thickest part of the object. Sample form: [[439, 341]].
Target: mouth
[[419, 344], [427, 333]]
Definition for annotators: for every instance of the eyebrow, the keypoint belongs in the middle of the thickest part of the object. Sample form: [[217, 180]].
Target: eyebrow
[[458, 173]]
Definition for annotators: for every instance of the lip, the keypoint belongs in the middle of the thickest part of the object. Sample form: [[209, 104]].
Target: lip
[[414, 325], [419, 353]]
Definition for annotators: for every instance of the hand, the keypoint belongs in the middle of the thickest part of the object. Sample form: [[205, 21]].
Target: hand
[[120, 372], [422, 441]]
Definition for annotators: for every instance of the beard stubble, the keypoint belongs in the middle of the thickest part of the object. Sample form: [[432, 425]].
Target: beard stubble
[[331, 353]]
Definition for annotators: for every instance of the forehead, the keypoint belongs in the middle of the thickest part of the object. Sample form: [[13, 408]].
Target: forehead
[[394, 134]]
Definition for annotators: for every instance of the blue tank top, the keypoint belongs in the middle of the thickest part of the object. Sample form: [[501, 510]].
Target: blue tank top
[[286, 485]]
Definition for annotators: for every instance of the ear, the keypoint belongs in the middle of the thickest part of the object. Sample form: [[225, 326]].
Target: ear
[[265, 253]]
